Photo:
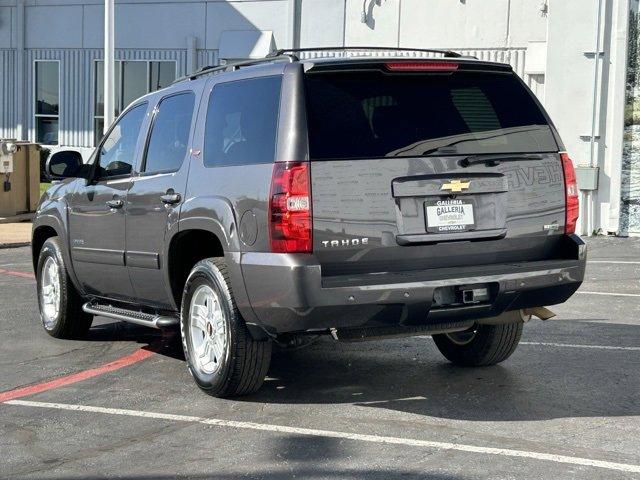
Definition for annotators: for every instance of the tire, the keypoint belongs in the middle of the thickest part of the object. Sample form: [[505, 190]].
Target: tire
[[480, 346], [222, 357], [59, 302]]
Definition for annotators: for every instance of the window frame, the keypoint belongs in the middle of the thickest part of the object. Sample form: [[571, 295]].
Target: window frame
[[96, 163], [152, 122], [37, 115], [118, 85], [207, 101]]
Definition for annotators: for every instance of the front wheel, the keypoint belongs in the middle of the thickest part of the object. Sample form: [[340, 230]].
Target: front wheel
[[60, 303], [221, 355], [481, 345]]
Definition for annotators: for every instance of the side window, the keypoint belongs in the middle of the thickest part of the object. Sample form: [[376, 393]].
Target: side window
[[119, 148], [242, 120], [170, 133]]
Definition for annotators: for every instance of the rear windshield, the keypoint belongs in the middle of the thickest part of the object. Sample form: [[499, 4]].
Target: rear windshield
[[377, 114]]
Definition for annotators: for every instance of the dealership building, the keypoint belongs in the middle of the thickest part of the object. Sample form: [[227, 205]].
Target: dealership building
[[580, 57]]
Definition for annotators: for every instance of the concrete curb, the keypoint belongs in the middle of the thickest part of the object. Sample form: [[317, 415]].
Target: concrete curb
[[23, 217], [14, 245]]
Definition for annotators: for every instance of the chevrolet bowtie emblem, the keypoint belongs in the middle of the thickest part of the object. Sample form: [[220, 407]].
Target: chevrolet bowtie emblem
[[456, 185]]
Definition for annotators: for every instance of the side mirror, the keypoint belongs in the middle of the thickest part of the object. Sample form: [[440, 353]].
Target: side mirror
[[64, 164]]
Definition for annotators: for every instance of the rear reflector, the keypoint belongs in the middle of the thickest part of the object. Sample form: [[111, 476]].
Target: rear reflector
[[570, 194], [290, 208], [422, 66]]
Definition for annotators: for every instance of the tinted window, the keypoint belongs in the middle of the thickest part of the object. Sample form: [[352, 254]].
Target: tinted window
[[47, 95], [170, 133], [117, 153], [47, 88], [242, 120], [376, 114]]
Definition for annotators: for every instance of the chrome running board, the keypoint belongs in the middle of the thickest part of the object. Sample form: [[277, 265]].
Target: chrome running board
[[131, 316]]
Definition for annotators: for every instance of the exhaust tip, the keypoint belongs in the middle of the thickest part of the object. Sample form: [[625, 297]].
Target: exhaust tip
[[542, 313]]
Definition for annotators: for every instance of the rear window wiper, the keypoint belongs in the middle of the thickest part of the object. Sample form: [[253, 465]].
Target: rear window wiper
[[494, 160]]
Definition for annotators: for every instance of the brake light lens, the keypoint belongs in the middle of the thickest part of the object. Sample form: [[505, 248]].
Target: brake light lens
[[422, 66], [290, 208], [571, 194]]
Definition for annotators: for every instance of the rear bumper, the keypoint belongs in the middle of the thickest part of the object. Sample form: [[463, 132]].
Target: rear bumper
[[289, 294]]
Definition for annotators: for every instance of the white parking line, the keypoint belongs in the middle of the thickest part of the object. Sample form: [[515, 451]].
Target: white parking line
[[614, 262], [505, 452], [571, 345], [609, 294]]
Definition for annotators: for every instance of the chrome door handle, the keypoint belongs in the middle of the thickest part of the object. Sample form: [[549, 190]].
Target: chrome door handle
[[170, 198], [115, 203]]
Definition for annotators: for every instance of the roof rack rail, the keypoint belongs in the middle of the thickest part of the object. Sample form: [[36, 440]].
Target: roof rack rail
[[290, 55], [285, 51], [229, 67]]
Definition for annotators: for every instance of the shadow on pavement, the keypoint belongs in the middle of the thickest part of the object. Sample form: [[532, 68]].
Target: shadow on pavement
[[409, 375], [302, 473], [293, 456], [166, 343]]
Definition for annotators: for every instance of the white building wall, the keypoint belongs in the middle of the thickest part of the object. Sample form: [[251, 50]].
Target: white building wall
[[248, 15], [481, 24], [7, 97], [549, 49], [322, 23]]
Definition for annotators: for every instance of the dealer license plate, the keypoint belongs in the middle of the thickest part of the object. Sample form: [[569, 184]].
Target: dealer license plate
[[449, 216]]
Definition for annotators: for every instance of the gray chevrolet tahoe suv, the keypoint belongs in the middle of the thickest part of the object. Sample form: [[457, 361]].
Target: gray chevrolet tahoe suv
[[362, 197]]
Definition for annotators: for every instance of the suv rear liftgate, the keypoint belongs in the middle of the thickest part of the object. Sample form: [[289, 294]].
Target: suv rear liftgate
[[439, 193]]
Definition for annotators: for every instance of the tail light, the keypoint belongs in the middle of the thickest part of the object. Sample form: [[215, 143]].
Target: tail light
[[290, 208], [422, 66], [570, 194]]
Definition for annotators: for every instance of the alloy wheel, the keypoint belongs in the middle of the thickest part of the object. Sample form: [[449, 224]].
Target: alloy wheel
[[207, 330]]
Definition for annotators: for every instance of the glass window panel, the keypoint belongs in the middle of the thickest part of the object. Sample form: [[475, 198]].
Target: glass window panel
[[242, 119], [134, 81], [47, 130], [47, 88], [162, 75], [117, 73], [99, 86], [170, 135], [98, 129], [117, 154]]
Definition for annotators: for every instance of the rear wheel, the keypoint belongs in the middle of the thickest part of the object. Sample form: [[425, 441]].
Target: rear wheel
[[222, 357], [60, 303], [481, 345]]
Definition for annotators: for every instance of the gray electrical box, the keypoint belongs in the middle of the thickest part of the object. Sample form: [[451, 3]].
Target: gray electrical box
[[587, 177]]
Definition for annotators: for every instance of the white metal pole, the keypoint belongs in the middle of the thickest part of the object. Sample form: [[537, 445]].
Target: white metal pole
[[22, 132], [593, 152], [593, 161], [109, 64]]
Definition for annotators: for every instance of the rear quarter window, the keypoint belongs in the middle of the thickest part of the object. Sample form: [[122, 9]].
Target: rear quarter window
[[242, 122], [372, 114]]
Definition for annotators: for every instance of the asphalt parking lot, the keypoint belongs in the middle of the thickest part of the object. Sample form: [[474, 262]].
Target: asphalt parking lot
[[122, 404]]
